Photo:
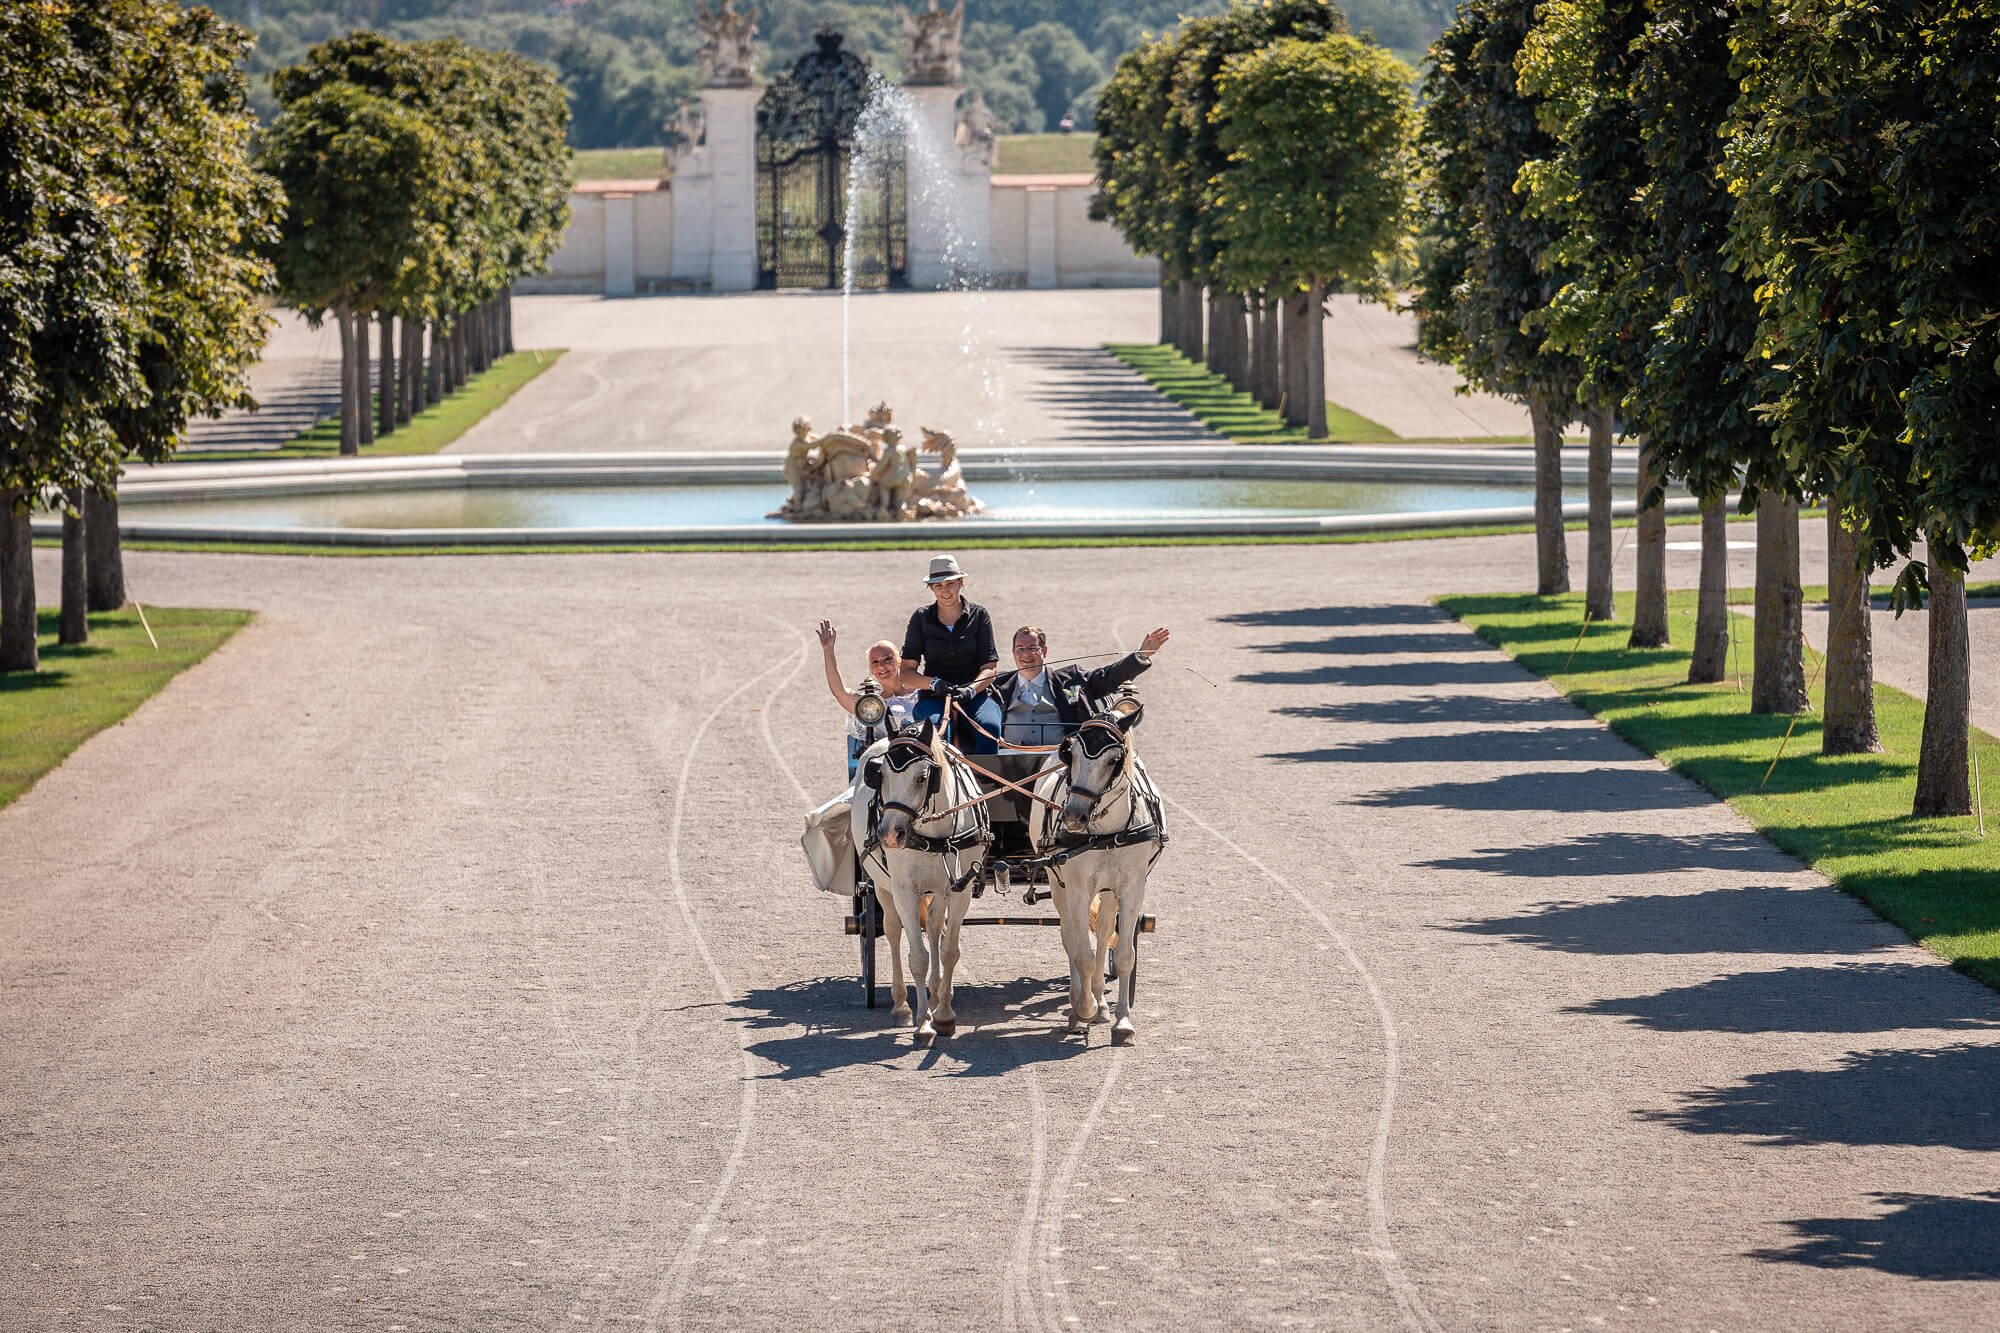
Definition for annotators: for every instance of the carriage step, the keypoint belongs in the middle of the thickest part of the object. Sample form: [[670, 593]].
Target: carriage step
[[1148, 923]]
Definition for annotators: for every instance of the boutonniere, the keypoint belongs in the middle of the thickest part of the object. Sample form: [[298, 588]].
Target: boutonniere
[[1073, 693]]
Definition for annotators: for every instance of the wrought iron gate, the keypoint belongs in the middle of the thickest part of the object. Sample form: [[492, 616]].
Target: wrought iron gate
[[809, 161]]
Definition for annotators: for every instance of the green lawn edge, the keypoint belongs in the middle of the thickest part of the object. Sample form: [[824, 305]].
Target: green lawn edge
[[430, 430], [79, 691], [1234, 414], [1846, 816]]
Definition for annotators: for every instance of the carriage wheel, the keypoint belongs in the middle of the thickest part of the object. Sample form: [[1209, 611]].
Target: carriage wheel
[[869, 913]]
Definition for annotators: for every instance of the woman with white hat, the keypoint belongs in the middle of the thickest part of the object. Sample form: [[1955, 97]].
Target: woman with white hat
[[950, 644]]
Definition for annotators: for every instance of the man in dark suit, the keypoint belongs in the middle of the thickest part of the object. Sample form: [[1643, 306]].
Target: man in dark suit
[[1041, 704]]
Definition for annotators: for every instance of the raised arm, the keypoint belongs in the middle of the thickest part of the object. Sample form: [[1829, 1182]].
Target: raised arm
[[842, 695], [1105, 679]]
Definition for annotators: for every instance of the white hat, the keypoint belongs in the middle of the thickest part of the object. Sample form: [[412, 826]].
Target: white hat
[[944, 567]]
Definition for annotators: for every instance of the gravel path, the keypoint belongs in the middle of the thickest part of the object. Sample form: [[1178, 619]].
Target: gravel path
[[438, 954]]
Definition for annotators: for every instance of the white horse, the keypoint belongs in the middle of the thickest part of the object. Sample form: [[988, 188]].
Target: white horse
[[922, 846], [1105, 820]]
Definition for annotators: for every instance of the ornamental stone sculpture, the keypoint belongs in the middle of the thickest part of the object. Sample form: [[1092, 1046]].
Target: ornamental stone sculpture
[[978, 131], [869, 473], [930, 43], [728, 50]]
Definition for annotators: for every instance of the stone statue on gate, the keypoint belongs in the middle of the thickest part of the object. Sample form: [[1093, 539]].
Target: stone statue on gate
[[870, 473], [681, 135], [728, 50], [978, 130], [930, 43]]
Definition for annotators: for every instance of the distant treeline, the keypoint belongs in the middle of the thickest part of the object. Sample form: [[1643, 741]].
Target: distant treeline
[[624, 63]]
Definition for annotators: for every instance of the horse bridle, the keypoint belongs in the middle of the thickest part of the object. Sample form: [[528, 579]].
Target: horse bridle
[[915, 751], [1074, 738]]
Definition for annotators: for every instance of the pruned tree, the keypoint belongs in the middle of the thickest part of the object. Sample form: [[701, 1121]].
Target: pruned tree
[[66, 283], [1319, 136], [1868, 169], [1577, 63], [1699, 383], [1484, 273]]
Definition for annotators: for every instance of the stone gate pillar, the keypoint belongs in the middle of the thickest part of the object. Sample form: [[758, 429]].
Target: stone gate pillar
[[731, 150], [933, 197]]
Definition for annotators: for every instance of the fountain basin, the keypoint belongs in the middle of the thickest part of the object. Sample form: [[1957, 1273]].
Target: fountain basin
[[724, 497]]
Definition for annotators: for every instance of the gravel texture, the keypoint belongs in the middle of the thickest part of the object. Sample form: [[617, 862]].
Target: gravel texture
[[438, 954]]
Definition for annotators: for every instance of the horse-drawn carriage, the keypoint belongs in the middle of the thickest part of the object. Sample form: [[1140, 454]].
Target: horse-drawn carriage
[[1020, 833]]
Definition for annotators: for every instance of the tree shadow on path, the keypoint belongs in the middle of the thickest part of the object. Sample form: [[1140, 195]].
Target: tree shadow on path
[[827, 1027], [1757, 919], [1596, 854], [1943, 1098], [1568, 791], [1580, 741], [1841, 997], [1329, 617], [1935, 1237], [1428, 709]]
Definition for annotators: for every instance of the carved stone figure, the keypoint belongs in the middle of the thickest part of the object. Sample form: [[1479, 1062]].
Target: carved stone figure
[[930, 43], [681, 135], [978, 130], [869, 472], [728, 50]]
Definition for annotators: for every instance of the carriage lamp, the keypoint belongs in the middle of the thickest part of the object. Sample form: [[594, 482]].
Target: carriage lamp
[[1127, 702], [870, 708]]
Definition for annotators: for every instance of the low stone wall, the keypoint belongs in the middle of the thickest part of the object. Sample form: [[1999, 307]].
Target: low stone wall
[[620, 240]]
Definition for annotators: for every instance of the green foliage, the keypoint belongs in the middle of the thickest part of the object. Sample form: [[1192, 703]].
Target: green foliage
[[66, 281], [424, 177], [1319, 137], [1867, 166], [1845, 815], [1577, 61], [624, 63], [1489, 259], [1699, 385]]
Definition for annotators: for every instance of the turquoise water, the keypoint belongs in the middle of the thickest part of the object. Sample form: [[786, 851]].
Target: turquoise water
[[656, 506]]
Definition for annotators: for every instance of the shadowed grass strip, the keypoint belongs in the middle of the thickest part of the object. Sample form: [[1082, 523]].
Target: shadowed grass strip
[[427, 432], [1230, 413], [81, 690], [1847, 816]]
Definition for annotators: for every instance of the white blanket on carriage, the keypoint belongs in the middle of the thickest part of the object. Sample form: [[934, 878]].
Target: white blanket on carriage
[[829, 844]]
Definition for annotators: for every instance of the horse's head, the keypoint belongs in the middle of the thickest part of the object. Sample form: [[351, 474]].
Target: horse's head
[[1096, 756], [907, 776]]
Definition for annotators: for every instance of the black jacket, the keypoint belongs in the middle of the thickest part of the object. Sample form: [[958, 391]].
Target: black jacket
[[1076, 691]]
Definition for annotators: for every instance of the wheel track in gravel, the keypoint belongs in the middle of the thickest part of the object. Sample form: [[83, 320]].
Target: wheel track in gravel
[[1408, 1301]]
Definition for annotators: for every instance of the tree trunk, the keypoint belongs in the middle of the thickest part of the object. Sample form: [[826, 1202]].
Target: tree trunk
[[106, 562], [507, 322], [1942, 786], [479, 345], [1170, 300], [1849, 712], [1296, 358], [409, 368], [73, 626], [18, 649], [1314, 377], [1598, 603], [1711, 615], [385, 402], [1217, 351], [1551, 550], [434, 366], [1777, 669], [1193, 306], [364, 392], [1242, 318], [456, 342], [350, 429], [1649, 596], [1265, 359]]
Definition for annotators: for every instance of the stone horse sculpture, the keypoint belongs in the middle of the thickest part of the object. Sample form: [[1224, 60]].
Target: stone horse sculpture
[[868, 472]]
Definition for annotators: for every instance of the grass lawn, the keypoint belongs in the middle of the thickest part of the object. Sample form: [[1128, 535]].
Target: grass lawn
[[1848, 817], [1045, 154], [616, 164], [1230, 413], [426, 433], [82, 690]]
